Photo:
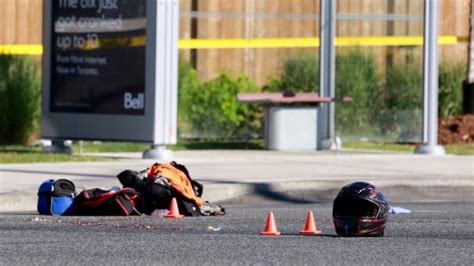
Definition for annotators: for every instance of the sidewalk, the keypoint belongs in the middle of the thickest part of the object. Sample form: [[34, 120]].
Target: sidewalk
[[228, 174]]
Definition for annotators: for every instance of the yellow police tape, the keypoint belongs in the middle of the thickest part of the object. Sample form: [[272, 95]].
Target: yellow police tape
[[37, 49], [312, 42], [21, 49]]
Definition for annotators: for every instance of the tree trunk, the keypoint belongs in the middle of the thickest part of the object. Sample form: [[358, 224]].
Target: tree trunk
[[470, 59], [194, 31], [468, 84]]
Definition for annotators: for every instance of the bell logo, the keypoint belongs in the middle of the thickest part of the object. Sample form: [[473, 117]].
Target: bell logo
[[129, 102]]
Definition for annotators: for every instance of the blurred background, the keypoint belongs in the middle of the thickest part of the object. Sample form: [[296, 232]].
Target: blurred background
[[235, 46]]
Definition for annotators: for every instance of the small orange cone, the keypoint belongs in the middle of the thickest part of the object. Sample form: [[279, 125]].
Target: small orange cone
[[173, 210], [310, 227], [270, 227]]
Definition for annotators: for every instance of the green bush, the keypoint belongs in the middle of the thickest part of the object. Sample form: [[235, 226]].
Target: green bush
[[403, 87], [299, 74], [188, 83], [215, 112], [19, 99], [451, 77], [391, 107], [399, 104], [357, 77]]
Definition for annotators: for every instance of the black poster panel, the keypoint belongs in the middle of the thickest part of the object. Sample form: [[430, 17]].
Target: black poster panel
[[98, 56]]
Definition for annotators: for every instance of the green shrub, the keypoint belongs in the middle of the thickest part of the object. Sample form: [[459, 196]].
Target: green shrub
[[399, 105], [299, 74], [215, 112], [188, 83], [403, 87], [392, 108], [19, 99], [451, 77], [357, 77]]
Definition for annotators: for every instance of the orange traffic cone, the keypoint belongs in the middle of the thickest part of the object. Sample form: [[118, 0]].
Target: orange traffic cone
[[270, 227], [173, 210], [310, 227]]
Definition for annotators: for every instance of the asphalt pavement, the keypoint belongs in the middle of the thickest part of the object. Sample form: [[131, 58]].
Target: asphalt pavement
[[295, 177], [432, 234]]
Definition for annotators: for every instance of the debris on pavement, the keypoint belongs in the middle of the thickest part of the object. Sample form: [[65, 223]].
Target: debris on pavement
[[398, 210], [211, 228]]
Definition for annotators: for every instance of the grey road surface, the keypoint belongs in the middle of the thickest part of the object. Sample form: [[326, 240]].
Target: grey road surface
[[435, 233], [438, 190]]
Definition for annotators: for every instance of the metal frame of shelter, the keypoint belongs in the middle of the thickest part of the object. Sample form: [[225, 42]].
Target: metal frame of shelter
[[430, 77]]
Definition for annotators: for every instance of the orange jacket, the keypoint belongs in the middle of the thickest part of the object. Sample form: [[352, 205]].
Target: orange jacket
[[177, 179]]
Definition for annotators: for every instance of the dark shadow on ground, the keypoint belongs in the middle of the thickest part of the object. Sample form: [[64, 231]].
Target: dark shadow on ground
[[264, 193], [265, 190]]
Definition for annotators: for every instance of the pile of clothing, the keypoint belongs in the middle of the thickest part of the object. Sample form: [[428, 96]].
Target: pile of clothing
[[142, 192]]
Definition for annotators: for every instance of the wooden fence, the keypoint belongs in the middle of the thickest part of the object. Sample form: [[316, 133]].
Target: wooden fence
[[21, 23]]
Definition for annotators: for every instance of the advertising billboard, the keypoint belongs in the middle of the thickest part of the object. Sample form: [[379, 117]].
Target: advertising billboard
[[110, 70]]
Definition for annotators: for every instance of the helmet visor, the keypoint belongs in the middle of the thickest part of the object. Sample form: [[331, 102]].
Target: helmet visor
[[355, 207]]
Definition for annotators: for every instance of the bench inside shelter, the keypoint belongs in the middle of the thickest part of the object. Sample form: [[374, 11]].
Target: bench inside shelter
[[291, 119]]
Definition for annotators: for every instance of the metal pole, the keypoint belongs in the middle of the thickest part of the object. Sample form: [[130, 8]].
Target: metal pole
[[430, 81], [162, 73], [327, 70]]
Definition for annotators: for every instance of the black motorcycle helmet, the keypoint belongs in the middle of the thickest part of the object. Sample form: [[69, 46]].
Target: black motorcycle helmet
[[360, 209]]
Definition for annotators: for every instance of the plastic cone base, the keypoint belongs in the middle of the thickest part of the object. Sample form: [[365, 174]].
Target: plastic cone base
[[310, 227], [310, 233], [270, 227], [173, 210]]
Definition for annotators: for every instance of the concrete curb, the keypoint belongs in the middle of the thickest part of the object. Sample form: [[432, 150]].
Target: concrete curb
[[427, 190]]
